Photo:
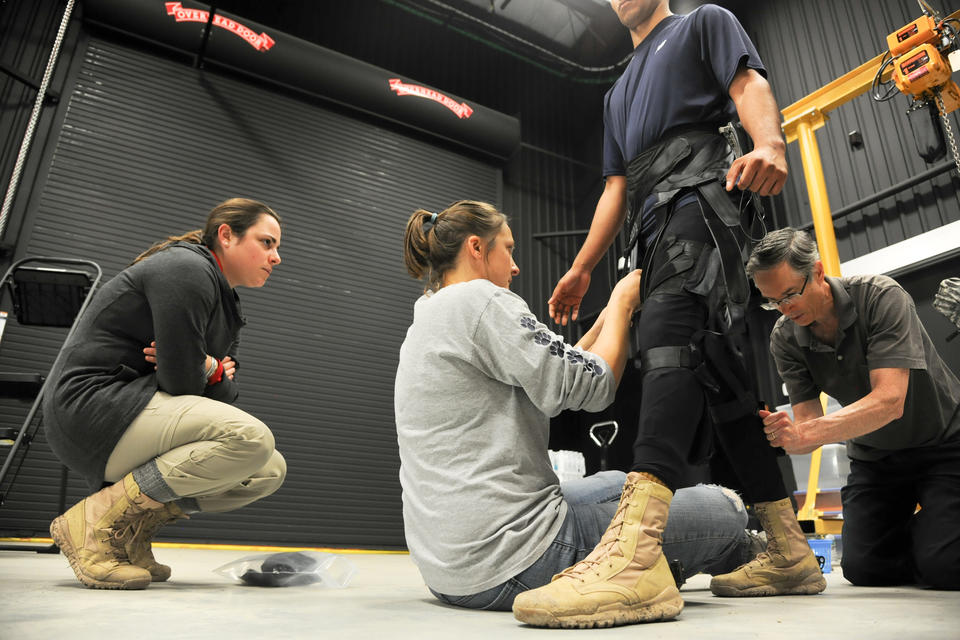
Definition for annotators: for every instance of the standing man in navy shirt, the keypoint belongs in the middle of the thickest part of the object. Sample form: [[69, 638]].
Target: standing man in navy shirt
[[676, 189]]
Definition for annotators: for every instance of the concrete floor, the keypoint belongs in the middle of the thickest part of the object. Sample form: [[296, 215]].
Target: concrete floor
[[40, 598]]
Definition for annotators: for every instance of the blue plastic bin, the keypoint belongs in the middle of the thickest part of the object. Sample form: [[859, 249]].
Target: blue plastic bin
[[821, 549]]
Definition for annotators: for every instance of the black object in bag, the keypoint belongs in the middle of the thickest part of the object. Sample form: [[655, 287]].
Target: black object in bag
[[288, 569]]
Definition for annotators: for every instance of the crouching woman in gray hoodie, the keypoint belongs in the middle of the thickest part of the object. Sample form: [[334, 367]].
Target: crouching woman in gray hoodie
[[142, 397], [479, 377]]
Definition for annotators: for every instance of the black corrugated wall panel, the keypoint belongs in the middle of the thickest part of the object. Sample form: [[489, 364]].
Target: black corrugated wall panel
[[26, 35], [147, 146], [807, 44], [554, 177], [28, 29]]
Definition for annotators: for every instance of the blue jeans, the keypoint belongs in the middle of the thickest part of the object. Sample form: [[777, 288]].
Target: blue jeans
[[704, 532]]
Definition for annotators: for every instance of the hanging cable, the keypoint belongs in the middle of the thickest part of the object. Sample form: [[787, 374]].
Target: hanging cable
[[514, 38], [890, 87], [34, 118]]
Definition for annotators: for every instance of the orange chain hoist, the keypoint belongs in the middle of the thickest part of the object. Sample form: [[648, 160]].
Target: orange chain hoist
[[921, 68]]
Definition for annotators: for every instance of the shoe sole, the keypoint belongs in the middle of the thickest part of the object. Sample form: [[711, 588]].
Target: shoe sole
[[611, 616], [62, 539], [811, 585], [160, 575]]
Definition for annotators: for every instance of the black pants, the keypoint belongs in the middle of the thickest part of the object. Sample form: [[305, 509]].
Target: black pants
[[674, 421], [884, 541]]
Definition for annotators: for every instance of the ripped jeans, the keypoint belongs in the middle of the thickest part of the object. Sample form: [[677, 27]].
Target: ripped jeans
[[705, 533]]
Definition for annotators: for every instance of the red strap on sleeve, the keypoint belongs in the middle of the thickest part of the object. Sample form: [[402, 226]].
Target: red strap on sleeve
[[217, 375]]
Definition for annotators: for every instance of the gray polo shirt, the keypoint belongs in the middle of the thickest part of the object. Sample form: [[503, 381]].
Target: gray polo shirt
[[878, 328]]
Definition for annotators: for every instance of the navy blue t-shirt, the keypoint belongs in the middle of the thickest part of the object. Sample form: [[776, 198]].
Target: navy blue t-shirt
[[679, 75]]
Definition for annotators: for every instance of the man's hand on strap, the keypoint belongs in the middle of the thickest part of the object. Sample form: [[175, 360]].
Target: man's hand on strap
[[781, 431], [763, 171]]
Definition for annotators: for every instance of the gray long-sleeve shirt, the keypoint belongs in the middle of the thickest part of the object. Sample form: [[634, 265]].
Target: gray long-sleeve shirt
[[177, 297], [479, 377]]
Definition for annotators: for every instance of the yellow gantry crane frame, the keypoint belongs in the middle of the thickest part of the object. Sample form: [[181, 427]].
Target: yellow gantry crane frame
[[800, 122]]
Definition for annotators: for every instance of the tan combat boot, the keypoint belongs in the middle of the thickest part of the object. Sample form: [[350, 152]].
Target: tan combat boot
[[624, 580], [138, 547], [787, 567], [92, 534]]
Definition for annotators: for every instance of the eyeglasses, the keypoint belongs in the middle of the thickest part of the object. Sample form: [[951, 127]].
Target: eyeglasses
[[774, 305]]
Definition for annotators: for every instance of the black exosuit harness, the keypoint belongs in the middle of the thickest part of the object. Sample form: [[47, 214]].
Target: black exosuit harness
[[698, 160]]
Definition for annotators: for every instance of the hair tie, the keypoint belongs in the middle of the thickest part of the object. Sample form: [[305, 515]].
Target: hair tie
[[433, 218]]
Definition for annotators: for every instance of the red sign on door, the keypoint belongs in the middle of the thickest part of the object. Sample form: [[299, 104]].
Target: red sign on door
[[462, 109], [260, 42]]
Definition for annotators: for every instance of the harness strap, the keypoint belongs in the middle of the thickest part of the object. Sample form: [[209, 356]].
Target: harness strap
[[681, 262], [697, 161], [731, 266], [684, 357], [720, 352], [707, 364]]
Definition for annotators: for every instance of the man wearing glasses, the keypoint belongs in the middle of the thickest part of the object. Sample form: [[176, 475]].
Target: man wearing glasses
[[859, 339]]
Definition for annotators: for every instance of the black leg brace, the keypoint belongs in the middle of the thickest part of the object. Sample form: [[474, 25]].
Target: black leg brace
[[694, 375]]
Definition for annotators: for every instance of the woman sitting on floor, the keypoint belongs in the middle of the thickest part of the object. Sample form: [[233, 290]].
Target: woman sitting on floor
[[478, 380]]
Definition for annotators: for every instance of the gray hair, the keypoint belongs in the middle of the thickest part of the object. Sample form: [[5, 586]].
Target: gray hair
[[793, 246]]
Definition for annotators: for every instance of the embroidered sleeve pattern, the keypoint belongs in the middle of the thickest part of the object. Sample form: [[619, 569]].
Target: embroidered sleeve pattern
[[559, 348], [511, 346]]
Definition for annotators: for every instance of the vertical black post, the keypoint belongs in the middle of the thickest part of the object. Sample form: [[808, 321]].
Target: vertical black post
[[198, 59]]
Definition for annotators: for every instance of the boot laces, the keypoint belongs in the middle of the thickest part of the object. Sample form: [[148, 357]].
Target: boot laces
[[762, 559], [605, 549], [124, 530], [770, 557], [154, 520], [151, 521]]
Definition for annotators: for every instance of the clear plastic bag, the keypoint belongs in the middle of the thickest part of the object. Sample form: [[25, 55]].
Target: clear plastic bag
[[290, 569]]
